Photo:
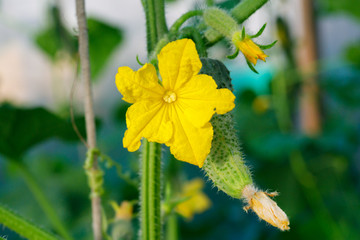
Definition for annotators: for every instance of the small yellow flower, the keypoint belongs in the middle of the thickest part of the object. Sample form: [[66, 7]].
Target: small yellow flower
[[124, 211], [177, 110], [251, 51], [198, 202], [265, 207], [261, 104]]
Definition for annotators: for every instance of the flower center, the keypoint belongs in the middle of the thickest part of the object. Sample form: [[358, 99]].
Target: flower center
[[169, 97]]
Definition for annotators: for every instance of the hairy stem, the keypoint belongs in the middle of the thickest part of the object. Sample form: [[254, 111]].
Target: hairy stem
[[246, 8], [89, 113], [151, 191], [23, 227], [181, 20], [151, 152], [151, 28], [43, 201], [161, 27]]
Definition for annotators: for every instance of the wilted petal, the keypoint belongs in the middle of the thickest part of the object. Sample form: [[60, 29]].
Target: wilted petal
[[267, 209]]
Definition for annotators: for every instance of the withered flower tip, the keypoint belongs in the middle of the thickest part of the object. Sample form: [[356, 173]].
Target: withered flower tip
[[267, 209]]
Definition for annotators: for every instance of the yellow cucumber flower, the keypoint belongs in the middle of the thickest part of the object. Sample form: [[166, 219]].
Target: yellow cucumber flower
[[251, 51], [177, 110], [197, 201], [123, 211]]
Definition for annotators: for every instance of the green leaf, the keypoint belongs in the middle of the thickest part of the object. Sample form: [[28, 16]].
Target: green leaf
[[348, 6], [352, 54], [103, 40], [21, 129], [55, 37]]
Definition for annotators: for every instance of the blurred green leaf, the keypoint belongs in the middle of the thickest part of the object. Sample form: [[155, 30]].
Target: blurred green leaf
[[349, 6], [120, 112], [21, 129], [103, 39], [55, 37], [345, 91], [352, 54]]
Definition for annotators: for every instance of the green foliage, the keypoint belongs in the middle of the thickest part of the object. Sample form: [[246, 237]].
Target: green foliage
[[103, 39], [23, 128], [352, 54], [55, 37], [25, 228], [348, 6]]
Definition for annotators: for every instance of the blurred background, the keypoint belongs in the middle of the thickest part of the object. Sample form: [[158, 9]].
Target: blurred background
[[298, 120]]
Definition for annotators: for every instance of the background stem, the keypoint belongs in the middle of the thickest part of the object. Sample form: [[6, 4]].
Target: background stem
[[246, 8], [43, 202], [89, 113], [23, 227], [172, 227]]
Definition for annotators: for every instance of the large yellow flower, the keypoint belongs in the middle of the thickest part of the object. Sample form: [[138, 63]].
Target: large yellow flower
[[177, 110]]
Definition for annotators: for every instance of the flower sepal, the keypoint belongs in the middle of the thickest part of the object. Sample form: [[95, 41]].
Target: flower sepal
[[251, 50]]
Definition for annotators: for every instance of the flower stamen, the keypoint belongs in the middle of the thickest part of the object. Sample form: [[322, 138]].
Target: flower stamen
[[169, 97]]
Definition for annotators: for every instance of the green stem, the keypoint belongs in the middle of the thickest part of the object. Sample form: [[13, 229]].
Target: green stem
[[246, 8], [180, 21], [161, 27], [151, 28], [308, 181], [151, 152], [151, 191], [43, 202], [23, 227], [172, 227]]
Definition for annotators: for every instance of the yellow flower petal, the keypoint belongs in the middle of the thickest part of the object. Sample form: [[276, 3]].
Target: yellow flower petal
[[189, 144], [149, 120], [139, 85], [251, 51], [178, 62], [200, 99], [198, 202]]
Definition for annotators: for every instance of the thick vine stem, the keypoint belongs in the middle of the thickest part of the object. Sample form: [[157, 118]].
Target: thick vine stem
[[89, 113], [182, 19], [246, 8], [150, 202], [150, 191], [23, 227]]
